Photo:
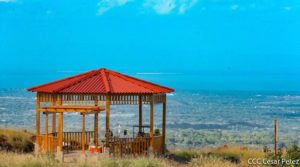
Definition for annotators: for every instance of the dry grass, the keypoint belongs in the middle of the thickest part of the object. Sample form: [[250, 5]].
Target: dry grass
[[16, 140], [243, 153], [210, 161], [29, 160], [14, 133], [221, 156], [23, 160]]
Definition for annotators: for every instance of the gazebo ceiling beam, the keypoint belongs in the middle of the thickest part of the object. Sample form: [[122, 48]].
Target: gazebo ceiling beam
[[116, 99], [69, 110], [81, 109], [75, 107]]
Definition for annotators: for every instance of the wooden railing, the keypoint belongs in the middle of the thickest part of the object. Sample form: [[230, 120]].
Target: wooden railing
[[118, 146], [129, 146], [47, 144], [73, 140]]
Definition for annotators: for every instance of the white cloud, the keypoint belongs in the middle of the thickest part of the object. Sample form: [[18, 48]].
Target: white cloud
[[6, 1], [185, 5], [168, 6], [158, 6], [106, 5]]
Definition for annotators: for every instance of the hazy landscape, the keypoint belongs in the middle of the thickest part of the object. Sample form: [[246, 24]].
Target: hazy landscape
[[195, 118]]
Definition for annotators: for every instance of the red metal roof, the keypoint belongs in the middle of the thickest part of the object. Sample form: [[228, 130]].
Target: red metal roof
[[101, 81]]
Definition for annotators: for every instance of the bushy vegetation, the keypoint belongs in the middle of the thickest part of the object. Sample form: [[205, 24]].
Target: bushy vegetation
[[291, 153], [16, 140]]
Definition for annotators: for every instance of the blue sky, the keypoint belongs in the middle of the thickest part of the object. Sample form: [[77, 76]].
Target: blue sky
[[219, 44]]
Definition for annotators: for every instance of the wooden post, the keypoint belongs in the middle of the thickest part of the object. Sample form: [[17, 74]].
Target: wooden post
[[275, 137], [46, 131], [140, 113], [60, 125], [83, 134], [54, 116], [96, 119], [60, 130], [151, 119], [37, 116], [53, 123], [96, 128], [164, 123], [107, 109]]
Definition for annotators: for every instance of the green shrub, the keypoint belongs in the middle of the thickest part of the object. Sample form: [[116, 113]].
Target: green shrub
[[293, 152], [157, 131]]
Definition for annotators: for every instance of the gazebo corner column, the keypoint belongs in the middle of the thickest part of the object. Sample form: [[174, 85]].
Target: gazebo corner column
[[164, 123], [37, 116], [46, 131], [151, 120], [96, 124], [83, 134], [60, 130], [54, 117], [140, 113], [60, 126], [107, 111], [96, 128]]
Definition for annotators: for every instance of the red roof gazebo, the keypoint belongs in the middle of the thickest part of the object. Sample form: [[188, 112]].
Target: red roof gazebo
[[91, 93]]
